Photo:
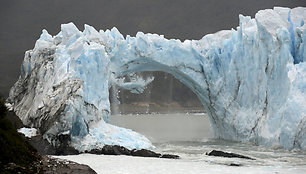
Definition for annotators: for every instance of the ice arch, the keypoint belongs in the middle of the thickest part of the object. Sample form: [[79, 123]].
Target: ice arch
[[250, 80], [155, 53]]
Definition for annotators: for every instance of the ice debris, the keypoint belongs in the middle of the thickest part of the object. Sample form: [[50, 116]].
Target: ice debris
[[28, 132]]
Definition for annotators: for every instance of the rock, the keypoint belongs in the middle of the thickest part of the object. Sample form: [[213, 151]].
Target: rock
[[17, 155], [170, 156], [145, 153], [235, 164], [58, 166], [227, 155], [42, 146], [64, 148], [20, 157], [45, 148], [15, 120], [110, 150], [116, 150], [119, 150]]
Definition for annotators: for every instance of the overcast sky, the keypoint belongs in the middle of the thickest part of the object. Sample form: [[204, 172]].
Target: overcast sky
[[22, 21]]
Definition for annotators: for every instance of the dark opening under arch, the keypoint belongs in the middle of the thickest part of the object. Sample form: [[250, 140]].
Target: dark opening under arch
[[165, 94]]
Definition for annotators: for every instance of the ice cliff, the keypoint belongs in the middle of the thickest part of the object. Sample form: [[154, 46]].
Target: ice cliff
[[251, 80]]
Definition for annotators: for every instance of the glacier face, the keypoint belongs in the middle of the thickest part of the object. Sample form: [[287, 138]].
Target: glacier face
[[252, 80]]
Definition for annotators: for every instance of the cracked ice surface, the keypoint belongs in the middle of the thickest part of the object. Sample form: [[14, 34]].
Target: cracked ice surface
[[252, 80]]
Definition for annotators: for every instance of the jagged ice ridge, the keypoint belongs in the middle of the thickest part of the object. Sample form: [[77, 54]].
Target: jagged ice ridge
[[251, 81]]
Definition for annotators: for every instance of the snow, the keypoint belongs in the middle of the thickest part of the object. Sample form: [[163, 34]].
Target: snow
[[28, 132], [250, 80]]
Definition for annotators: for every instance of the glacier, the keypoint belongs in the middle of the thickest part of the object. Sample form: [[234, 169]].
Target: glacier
[[251, 80]]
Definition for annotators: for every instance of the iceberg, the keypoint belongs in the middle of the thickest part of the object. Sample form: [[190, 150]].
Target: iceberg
[[251, 80]]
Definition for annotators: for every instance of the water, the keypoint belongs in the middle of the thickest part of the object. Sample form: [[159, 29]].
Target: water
[[166, 127], [276, 160], [188, 135]]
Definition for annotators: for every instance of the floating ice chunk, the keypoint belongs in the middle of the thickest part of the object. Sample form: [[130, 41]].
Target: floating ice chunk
[[28, 132]]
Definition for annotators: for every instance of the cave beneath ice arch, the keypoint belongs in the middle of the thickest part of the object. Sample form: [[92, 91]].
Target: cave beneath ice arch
[[165, 94]]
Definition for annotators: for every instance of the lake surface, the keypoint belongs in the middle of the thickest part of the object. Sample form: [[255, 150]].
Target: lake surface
[[188, 135], [167, 127]]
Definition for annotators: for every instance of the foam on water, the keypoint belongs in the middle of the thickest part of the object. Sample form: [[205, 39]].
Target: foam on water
[[193, 160]]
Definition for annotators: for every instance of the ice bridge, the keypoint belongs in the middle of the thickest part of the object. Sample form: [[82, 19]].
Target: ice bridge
[[250, 80]]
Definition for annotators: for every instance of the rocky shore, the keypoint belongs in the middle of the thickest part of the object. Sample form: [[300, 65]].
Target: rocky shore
[[48, 165], [58, 166], [19, 156], [43, 147]]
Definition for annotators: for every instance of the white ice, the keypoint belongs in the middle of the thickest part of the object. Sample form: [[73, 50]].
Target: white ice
[[28, 132]]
